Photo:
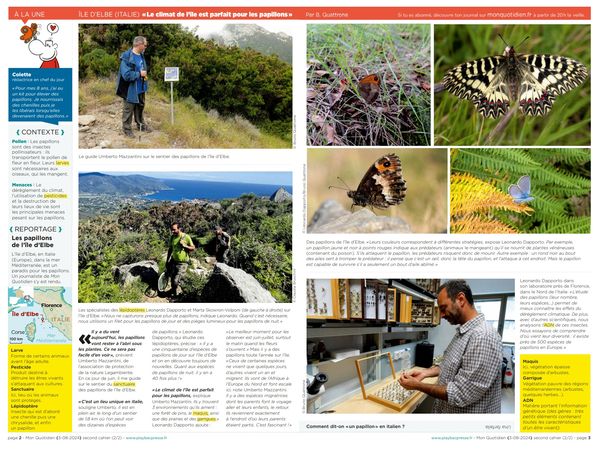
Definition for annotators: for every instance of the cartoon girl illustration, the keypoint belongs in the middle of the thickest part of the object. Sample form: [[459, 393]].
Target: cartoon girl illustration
[[47, 50]]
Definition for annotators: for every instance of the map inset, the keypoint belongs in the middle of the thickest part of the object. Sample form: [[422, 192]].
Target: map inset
[[41, 315]]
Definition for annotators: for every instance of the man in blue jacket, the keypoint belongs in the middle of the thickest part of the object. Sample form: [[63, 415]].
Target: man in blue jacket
[[132, 86]]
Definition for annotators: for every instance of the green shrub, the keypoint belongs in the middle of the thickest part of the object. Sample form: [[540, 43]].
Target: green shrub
[[269, 263], [98, 63], [191, 287]]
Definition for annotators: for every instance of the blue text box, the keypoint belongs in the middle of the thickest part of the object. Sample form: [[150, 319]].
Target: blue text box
[[40, 95]]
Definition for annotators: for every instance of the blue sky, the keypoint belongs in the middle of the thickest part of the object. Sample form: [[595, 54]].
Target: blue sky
[[261, 178]]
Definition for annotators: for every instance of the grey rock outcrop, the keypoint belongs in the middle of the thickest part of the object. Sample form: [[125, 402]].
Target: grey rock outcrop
[[331, 217], [281, 195], [227, 284], [145, 271]]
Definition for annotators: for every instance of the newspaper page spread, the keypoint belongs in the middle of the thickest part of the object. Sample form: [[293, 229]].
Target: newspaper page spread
[[265, 224]]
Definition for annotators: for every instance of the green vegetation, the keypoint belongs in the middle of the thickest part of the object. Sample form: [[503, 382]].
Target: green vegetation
[[560, 185], [235, 82], [194, 127], [261, 245], [339, 56], [457, 122]]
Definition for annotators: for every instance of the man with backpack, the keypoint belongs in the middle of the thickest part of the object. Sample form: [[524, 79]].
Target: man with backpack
[[223, 243]]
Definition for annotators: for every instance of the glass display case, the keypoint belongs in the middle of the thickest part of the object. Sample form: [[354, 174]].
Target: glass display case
[[379, 382]]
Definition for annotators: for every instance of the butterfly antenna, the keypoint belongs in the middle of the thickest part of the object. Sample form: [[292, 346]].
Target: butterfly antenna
[[523, 41], [505, 43], [347, 188]]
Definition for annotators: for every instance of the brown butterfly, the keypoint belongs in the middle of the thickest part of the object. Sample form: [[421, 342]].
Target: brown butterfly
[[382, 184], [369, 87]]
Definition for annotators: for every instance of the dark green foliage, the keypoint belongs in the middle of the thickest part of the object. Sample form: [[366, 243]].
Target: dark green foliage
[[98, 63], [131, 219], [233, 81], [96, 282], [560, 183], [228, 79], [132, 247], [268, 262], [93, 236]]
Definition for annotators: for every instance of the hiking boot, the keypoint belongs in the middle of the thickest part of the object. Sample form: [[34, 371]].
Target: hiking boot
[[146, 128], [129, 133]]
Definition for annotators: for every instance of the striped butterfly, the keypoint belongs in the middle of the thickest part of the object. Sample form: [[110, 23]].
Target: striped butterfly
[[535, 81]]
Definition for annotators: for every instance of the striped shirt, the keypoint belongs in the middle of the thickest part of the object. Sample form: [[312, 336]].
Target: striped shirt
[[472, 370]]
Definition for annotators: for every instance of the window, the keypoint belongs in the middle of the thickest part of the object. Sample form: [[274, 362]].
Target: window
[[499, 312], [509, 334]]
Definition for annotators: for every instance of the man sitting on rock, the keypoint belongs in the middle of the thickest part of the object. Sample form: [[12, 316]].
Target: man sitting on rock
[[180, 245]]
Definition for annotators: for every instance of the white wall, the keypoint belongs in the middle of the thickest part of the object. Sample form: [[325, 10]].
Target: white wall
[[441, 335], [491, 286]]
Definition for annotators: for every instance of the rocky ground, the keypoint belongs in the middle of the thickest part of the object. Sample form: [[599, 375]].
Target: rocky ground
[[224, 284], [103, 130]]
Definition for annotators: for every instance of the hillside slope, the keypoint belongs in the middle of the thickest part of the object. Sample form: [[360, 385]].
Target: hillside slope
[[193, 128]]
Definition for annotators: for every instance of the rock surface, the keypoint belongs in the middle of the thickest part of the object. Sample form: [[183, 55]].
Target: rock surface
[[145, 271], [281, 195], [210, 260], [200, 272], [86, 120], [227, 284], [331, 217]]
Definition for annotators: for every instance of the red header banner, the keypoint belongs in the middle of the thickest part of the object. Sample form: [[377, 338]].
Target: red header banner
[[300, 13]]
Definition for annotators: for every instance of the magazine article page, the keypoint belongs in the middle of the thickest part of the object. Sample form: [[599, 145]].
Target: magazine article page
[[270, 224]]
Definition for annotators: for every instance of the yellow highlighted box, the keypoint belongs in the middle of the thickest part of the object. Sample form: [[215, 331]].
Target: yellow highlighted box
[[123, 384], [555, 393], [55, 196], [39, 388], [132, 310]]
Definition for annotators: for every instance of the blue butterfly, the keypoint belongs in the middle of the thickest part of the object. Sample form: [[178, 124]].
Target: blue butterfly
[[521, 192]]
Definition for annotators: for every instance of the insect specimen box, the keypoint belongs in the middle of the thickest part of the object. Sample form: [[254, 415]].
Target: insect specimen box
[[379, 382]]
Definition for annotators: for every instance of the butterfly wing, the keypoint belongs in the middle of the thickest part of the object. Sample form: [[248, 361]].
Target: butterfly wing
[[544, 78], [540, 79], [521, 191], [525, 184], [382, 185], [26, 33], [369, 87], [483, 82]]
